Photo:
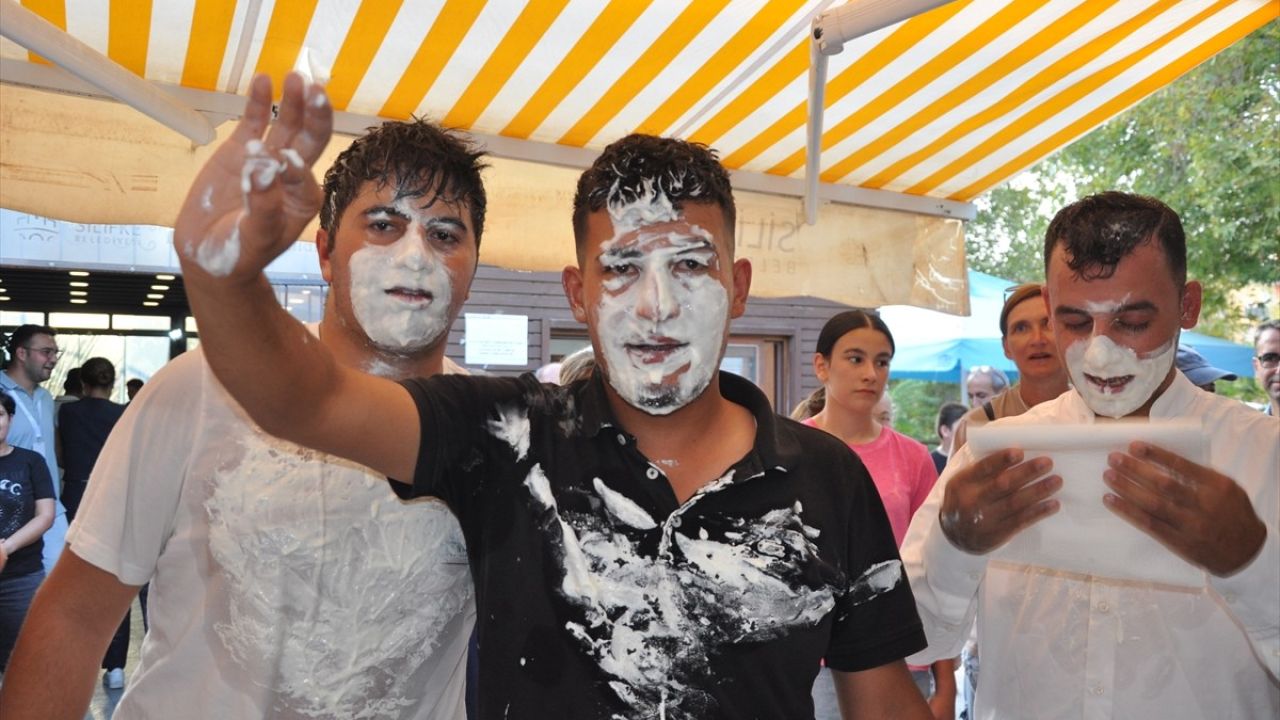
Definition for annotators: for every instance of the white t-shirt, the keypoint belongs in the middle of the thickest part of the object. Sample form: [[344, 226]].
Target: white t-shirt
[[1063, 645], [284, 582]]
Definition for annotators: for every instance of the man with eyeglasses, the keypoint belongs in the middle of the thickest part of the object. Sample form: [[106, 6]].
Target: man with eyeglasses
[[33, 353], [1266, 363]]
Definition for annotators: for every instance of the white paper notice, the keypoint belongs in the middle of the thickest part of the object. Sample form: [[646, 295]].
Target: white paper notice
[[496, 339], [1084, 536]]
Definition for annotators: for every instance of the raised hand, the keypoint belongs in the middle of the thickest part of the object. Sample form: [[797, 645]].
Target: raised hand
[[993, 499], [1199, 513], [256, 194]]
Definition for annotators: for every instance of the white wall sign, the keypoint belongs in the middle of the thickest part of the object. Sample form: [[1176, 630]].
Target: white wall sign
[[496, 339]]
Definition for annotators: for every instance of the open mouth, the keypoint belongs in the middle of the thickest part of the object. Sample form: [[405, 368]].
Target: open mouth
[[655, 350], [413, 296], [1111, 385], [1040, 356]]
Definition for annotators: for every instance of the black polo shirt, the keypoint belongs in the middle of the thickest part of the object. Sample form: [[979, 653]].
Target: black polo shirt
[[599, 596]]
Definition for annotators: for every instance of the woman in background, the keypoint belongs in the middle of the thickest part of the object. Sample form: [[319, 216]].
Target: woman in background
[[855, 349], [26, 511], [83, 427]]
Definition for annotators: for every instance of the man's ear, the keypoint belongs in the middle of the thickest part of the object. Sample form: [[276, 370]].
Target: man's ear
[[1004, 343], [1192, 296], [571, 279], [741, 287], [323, 253]]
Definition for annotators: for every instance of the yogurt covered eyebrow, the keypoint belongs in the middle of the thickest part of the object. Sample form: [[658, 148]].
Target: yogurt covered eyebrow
[[391, 211], [695, 245]]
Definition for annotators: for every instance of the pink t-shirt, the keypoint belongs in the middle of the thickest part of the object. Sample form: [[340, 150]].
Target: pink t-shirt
[[903, 473]]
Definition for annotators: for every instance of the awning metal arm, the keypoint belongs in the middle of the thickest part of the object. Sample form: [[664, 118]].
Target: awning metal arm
[[831, 30]]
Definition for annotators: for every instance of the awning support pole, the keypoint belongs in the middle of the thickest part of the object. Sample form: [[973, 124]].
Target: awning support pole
[[831, 30]]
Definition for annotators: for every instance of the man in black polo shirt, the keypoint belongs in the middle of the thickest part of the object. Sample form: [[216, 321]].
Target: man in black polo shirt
[[650, 542]]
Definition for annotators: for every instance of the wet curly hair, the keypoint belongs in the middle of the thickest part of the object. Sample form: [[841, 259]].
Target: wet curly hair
[[1099, 231], [639, 164], [424, 159]]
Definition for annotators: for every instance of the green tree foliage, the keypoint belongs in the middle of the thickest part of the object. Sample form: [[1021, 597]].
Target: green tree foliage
[[918, 402], [1208, 144]]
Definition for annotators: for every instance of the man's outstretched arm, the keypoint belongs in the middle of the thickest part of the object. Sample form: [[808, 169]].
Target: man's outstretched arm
[[249, 203], [53, 668]]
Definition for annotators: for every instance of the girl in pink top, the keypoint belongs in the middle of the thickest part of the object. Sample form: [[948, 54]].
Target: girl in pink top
[[852, 360]]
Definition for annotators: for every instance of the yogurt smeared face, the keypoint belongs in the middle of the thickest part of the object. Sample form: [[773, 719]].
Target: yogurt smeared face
[[401, 292], [659, 289], [406, 259], [1118, 333], [1113, 380], [662, 315]]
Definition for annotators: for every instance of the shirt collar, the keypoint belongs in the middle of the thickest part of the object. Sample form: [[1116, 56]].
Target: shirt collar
[[773, 447]]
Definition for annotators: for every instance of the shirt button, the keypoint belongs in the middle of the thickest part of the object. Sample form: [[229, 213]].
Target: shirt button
[[1104, 607], [675, 521], [1097, 689], [652, 473], [622, 439]]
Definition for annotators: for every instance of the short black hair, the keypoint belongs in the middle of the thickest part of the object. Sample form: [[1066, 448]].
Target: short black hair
[[948, 414], [638, 165], [847, 321], [427, 161], [72, 384], [98, 372], [22, 334], [1265, 325], [6, 402], [1099, 231]]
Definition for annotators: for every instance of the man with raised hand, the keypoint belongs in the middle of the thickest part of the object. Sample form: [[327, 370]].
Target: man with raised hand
[[284, 583], [1058, 644], [650, 542]]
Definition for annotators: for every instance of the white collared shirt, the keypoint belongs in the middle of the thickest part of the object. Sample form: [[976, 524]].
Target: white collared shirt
[[1064, 645]]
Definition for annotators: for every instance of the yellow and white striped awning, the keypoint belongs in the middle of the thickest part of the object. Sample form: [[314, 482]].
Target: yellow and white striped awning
[[945, 105], [923, 115]]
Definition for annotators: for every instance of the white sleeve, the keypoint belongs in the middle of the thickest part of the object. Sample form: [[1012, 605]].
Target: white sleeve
[[128, 510], [944, 579], [1252, 595]]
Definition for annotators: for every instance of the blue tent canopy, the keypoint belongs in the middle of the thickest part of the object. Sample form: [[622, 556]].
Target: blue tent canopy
[[939, 347]]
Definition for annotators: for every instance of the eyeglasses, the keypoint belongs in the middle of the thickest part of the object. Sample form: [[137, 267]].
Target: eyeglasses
[[1269, 361], [47, 352]]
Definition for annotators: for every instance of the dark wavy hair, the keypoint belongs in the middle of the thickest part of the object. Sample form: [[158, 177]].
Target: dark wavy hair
[[639, 164], [424, 159], [1099, 231], [848, 321], [22, 334]]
